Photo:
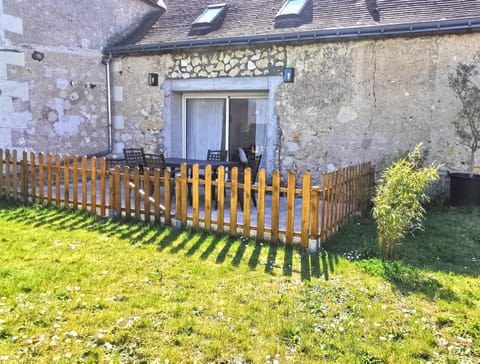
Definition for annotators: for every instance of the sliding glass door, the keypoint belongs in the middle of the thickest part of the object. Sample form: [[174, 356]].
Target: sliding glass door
[[226, 121]]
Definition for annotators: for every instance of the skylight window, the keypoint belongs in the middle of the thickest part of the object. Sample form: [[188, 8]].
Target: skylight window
[[292, 7], [210, 15]]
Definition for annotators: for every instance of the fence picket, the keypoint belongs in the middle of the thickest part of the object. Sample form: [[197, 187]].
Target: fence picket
[[24, 176], [261, 205], [208, 198], [102, 173], [247, 193], [306, 188], [291, 186], [220, 202], [14, 176], [233, 201], [275, 223], [33, 177]]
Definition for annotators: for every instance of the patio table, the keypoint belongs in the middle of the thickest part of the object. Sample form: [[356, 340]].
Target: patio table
[[174, 163]]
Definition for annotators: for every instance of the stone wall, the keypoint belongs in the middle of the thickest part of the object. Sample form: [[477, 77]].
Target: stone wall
[[52, 80], [138, 107], [371, 101], [228, 62]]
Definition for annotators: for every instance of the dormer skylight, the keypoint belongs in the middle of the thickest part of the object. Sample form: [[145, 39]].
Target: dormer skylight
[[211, 19], [294, 13], [292, 7]]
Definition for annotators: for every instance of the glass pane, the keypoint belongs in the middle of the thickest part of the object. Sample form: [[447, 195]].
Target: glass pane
[[205, 126], [293, 7], [247, 126], [209, 15]]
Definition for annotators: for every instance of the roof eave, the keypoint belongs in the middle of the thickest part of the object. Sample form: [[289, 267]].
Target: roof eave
[[341, 34]]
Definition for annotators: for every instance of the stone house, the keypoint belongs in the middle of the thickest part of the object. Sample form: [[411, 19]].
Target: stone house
[[308, 83]]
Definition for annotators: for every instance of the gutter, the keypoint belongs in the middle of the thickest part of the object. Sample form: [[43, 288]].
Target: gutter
[[341, 34]]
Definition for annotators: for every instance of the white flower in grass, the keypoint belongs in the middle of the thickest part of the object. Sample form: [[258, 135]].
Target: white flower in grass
[[68, 355], [108, 346], [56, 358], [14, 338], [376, 324], [72, 333], [4, 357], [382, 338]]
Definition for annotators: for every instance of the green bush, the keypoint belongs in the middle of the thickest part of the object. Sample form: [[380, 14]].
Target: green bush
[[398, 200]]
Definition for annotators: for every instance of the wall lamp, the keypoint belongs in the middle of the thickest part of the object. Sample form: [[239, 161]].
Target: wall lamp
[[288, 74], [153, 79]]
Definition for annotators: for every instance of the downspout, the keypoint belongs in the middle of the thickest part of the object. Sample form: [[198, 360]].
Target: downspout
[[106, 61], [109, 103]]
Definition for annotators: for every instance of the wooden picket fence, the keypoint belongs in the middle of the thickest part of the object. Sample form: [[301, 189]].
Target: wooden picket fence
[[305, 215]]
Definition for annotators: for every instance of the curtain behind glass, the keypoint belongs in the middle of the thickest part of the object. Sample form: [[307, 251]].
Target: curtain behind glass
[[205, 126]]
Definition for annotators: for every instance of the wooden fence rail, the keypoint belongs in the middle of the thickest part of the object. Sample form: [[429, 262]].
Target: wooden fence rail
[[307, 214]]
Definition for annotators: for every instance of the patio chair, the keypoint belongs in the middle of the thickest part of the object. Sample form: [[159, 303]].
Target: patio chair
[[254, 164], [212, 155], [134, 157], [155, 161], [113, 162], [216, 155]]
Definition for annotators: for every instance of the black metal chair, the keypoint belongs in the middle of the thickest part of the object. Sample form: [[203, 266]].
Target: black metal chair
[[113, 162], [155, 161], [134, 157], [213, 155], [216, 155], [254, 164]]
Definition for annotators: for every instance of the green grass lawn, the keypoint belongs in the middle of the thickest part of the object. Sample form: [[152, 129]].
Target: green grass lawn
[[76, 288]]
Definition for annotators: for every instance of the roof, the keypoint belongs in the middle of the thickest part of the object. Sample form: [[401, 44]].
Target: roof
[[256, 19]]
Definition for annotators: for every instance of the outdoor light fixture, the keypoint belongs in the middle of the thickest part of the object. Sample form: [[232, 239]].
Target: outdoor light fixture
[[153, 79], [288, 74]]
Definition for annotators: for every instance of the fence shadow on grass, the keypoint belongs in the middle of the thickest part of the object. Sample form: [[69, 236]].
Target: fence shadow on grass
[[191, 243], [318, 264]]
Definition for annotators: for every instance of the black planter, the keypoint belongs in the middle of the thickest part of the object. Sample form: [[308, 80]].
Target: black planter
[[464, 190]]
